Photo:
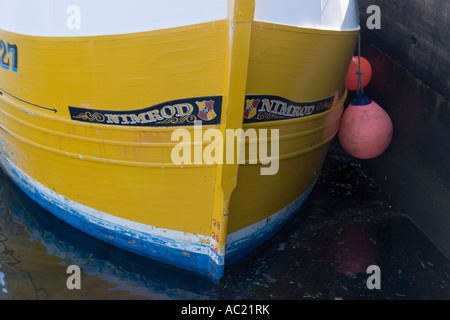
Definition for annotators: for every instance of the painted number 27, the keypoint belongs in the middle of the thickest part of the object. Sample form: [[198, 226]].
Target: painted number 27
[[9, 54]]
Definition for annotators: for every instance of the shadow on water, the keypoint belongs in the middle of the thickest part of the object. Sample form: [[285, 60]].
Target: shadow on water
[[346, 225]]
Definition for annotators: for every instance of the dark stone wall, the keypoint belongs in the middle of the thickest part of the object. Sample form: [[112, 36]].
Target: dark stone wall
[[410, 56], [415, 33]]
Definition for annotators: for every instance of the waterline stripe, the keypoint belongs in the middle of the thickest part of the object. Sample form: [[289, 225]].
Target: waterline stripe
[[178, 240]]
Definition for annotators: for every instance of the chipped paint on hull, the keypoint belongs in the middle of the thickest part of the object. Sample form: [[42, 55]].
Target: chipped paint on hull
[[182, 249], [243, 241], [87, 122]]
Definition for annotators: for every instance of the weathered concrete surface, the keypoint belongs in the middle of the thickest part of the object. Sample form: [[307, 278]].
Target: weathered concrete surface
[[415, 33], [411, 81]]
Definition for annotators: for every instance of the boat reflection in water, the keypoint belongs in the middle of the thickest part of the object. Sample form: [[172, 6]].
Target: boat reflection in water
[[37, 248]]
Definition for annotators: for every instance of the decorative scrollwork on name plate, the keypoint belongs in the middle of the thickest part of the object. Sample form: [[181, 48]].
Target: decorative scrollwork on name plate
[[267, 116], [180, 112], [323, 106], [88, 116], [179, 120]]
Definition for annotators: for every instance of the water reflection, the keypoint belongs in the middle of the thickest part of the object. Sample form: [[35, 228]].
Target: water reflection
[[36, 248], [3, 282]]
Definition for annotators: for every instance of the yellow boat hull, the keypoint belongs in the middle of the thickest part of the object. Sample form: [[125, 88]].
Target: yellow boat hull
[[88, 122]]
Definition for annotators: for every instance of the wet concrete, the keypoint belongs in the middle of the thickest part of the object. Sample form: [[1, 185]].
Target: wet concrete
[[347, 225]]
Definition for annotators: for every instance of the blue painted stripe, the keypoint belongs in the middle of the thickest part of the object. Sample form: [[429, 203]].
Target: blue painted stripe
[[195, 257], [241, 247], [162, 249]]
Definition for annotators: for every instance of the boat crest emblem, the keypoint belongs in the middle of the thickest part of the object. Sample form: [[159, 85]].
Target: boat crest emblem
[[251, 108], [206, 110]]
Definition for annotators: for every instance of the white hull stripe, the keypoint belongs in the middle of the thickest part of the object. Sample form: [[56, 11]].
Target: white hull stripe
[[280, 215], [75, 18], [244, 241], [175, 239], [158, 243]]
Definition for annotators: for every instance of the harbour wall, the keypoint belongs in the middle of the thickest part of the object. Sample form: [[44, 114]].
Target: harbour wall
[[410, 58]]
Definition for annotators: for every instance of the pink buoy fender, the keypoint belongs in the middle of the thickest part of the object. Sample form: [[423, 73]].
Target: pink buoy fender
[[365, 130], [358, 65]]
